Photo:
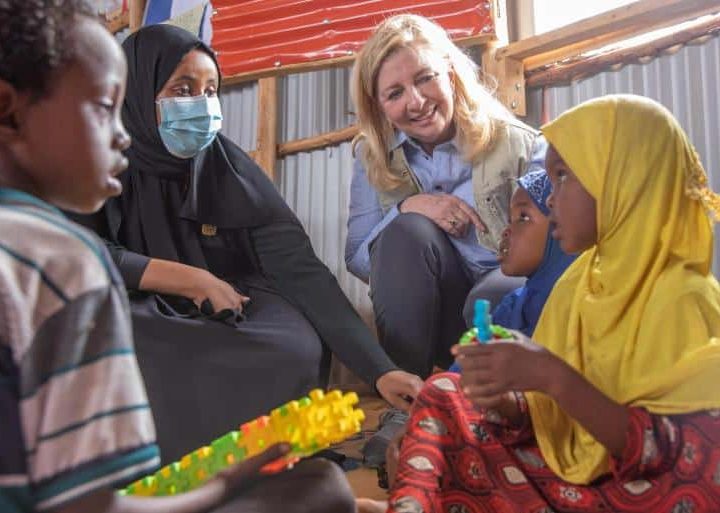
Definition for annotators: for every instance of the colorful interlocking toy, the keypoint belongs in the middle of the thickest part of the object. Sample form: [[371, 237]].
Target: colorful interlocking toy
[[483, 330], [308, 425]]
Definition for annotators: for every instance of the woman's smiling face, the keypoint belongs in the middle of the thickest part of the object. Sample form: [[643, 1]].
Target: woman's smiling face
[[414, 89]]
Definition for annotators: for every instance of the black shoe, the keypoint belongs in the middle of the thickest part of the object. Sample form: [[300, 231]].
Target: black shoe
[[340, 459], [391, 422]]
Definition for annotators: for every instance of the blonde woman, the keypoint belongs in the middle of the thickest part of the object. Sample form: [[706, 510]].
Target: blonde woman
[[432, 179]]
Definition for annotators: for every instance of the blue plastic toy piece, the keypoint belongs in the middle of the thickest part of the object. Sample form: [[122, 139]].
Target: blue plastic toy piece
[[481, 320]]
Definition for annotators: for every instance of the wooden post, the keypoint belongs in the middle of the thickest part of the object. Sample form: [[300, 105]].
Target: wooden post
[[137, 10], [520, 18], [510, 77], [266, 153], [508, 72]]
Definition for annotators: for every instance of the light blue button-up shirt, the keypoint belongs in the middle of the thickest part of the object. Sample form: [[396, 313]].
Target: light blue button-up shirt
[[444, 171]]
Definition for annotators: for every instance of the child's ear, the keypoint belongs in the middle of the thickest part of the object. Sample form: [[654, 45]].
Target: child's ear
[[9, 103]]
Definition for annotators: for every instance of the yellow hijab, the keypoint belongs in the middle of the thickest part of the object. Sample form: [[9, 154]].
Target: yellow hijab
[[636, 313]]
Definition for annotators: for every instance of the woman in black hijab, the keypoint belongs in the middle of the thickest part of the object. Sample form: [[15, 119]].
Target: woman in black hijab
[[232, 311]]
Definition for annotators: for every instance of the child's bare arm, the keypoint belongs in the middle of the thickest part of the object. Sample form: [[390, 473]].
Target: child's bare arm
[[490, 371], [606, 420], [209, 496]]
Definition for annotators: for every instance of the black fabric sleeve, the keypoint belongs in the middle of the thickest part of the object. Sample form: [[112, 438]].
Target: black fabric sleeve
[[130, 264], [287, 259]]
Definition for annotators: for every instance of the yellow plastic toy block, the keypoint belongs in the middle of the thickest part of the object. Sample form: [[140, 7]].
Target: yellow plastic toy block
[[308, 425]]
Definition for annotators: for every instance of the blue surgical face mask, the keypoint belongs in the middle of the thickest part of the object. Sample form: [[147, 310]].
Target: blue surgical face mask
[[189, 125]]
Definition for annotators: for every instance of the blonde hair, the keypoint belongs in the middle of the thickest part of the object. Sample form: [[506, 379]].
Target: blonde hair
[[478, 114]]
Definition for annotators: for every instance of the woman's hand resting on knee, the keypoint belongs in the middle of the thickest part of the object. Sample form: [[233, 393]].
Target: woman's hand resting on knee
[[399, 388], [167, 277], [221, 294], [449, 212]]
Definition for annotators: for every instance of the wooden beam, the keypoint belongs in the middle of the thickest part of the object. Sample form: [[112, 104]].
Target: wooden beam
[[137, 10], [620, 23], [565, 72], [278, 71], [266, 152], [317, 142]]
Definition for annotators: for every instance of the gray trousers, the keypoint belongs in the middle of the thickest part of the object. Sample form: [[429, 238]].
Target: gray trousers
[[493, 286], [420, 289], [313, 486]]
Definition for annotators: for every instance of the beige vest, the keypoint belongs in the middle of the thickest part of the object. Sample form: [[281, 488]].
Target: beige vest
[[493, 179]]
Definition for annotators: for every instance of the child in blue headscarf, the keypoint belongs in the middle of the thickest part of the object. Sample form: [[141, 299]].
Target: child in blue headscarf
[[527, 249]]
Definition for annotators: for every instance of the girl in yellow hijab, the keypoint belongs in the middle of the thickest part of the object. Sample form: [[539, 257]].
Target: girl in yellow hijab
[[612, 406]]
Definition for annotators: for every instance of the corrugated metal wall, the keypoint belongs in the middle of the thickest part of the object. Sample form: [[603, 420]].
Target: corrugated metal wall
[[316, 184], [685, 81], [240, 111]]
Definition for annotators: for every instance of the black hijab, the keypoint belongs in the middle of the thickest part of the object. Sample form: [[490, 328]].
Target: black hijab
[[166, 199]]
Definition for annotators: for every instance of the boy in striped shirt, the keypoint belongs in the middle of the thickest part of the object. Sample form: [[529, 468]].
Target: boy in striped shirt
[[74, 417]]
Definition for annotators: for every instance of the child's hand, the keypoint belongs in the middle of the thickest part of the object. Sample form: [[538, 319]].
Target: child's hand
[[490, 371], [239, 474]]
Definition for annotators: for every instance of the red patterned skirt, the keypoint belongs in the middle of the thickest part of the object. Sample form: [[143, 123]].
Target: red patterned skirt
[[453, 459]]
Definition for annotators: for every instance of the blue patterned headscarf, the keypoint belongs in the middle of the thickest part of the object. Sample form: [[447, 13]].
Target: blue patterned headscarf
[[521, 308]]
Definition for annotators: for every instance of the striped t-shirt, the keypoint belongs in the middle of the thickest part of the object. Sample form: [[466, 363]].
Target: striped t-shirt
[[74, 416]]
